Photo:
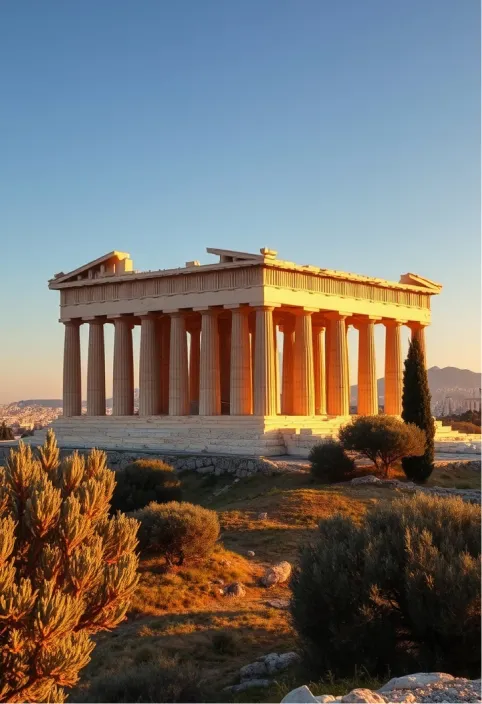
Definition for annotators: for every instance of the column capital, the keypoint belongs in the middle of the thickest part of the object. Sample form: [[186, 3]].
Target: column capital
[[362, 321], [71, 321], [148, 316], [100, 320], [237, 306], [262, 306], [393, 322], [336, 315], [417, 325], [303, 311], [208, 310]]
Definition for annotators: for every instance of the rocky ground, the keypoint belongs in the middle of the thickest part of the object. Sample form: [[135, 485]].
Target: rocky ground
[[420, 687]]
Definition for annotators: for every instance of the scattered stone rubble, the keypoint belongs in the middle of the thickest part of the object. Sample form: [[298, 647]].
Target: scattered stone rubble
[[471, 495], [420, 687], [256, 674]]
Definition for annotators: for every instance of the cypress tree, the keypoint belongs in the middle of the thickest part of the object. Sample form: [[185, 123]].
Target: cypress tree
[[416, 409]]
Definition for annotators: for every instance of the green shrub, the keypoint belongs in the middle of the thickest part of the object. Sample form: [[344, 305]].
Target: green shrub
[[330, 463], [162, 680], [179, 531], [382, 439], [6, 433], [401, 591], [145, 481]]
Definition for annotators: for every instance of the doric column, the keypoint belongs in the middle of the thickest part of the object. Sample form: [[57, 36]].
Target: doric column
[[123, 382], [194, 367], [224, 332], [288, 357], [209, 386], [367, 371], [264, 364], [393, 368], [96, 369], [418, 333], [178, 367], [241, 389], [72, 398], [164, 333], [149, 367], [319, 367], [338, 384], [304, 389]]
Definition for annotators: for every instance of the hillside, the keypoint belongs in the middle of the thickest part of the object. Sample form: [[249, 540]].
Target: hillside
[[449, 381]]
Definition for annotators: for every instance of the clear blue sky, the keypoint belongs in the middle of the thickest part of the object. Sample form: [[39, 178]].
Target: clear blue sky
[[343, 133]]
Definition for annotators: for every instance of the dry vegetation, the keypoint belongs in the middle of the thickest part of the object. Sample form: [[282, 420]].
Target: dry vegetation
[[181, 612]]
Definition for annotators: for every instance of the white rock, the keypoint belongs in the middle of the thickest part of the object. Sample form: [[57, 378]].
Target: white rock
[[254, 670], [277, 574], [248, 684], [262, 516], [301, 695], [369, 479], [279, 603], [419, 679], [288, 659], [363, 696], [250, 553], [272, 663], [325, 698]]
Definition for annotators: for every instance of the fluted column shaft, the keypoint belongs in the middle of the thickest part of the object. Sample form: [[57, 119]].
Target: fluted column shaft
[[164, 334], [149, 368], [367, 372], [96, 369], [72, 395], [304, 390], [194, 368], [178, 367], [288, 357], [418, 333], [338, 402], [319, 366], [224, 332], [209, 386], [123, 382], [264, 364], [393, 369], [241, 389]]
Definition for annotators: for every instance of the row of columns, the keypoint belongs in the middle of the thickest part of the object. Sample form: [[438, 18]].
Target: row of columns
[[244, 368]]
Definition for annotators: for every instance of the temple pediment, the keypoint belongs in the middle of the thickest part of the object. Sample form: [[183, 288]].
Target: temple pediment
[[111, 264], [416, 280]]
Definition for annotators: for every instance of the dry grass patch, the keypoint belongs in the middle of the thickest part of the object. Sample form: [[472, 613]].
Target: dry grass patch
[[181, 613]]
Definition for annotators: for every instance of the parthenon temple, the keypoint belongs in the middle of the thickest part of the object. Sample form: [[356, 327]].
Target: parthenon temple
[[209, 371]]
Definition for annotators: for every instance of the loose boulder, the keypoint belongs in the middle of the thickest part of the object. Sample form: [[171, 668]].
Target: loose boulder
[[277, 574], [235, 589]]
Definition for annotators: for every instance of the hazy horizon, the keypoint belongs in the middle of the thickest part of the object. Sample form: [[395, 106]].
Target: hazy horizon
[[342, 134]]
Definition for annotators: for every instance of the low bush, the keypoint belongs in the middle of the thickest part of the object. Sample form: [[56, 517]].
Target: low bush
[[226, 643], [401, 591], [162, 680], [145, 481], [384, 440], [179, 531], [330, 463]]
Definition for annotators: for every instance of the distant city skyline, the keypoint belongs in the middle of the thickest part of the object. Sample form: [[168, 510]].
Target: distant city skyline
[[343, 134]]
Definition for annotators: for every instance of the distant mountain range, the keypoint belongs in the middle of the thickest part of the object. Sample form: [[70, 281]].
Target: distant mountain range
[[449, 381]]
